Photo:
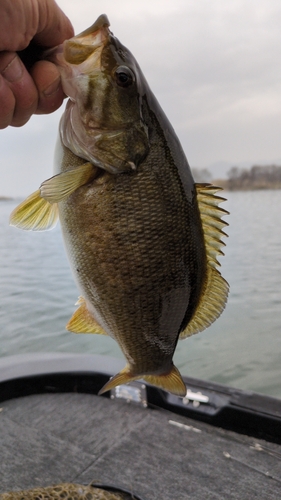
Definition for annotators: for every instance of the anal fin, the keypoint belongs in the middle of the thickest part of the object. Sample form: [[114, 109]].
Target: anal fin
[[82, 321]]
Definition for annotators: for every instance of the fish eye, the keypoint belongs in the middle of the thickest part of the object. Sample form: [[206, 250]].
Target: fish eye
[[124, 76]]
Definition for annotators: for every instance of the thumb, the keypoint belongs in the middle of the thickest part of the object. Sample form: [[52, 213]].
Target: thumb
[[53, 25]]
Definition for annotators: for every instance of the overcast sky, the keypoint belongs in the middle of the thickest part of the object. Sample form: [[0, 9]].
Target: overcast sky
[[215, 67]]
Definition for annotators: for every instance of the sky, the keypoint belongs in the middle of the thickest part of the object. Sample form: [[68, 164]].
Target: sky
[[214, 66]]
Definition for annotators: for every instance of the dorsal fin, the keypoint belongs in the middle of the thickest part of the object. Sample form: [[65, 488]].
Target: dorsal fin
[[211, 217], [211, 304], [215, 289]]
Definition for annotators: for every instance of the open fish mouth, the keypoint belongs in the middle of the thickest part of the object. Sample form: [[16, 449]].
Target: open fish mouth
[[88, 128], [93, 37], [80, 54], [85, 45]]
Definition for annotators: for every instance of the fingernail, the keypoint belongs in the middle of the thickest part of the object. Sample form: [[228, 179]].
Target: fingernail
[[54, 87], [13, 71]]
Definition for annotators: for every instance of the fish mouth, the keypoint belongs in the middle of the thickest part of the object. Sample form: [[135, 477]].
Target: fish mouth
[[83, 50], [86, 63], [101, 22], [81, 47], [80, 56]]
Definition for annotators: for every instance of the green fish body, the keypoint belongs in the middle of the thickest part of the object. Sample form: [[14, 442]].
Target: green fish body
[[142, 239]]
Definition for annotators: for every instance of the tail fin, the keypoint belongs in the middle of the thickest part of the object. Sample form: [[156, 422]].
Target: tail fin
[[171, 381]]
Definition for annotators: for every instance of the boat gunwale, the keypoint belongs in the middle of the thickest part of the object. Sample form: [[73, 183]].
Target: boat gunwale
[[244, 412]]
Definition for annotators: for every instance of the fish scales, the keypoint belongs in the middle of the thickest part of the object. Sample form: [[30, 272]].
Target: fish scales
[[138, 230], [142, 238]]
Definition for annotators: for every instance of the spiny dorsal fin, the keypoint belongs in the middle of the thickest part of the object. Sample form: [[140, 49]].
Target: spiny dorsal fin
[[171, 381], [215, 289], [82, 321], [211, 217], [35, 214]]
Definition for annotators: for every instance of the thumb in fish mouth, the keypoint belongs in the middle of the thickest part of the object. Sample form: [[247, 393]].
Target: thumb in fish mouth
[[72, 47]]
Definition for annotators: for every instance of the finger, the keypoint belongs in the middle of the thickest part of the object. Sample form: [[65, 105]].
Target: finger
[[22, 86], [48, 82], [7, 104], [54, 27]]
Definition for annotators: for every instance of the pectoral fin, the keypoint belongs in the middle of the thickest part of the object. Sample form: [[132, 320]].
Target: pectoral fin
[[63, 185], [35, 214], [82, 321], [171, 381], [39, 211]]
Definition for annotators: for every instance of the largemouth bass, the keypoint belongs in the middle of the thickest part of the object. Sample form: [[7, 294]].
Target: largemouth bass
[[141, 237]]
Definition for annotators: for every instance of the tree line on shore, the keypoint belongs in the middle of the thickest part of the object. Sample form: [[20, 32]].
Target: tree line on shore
[[242, 179], [257, 177]]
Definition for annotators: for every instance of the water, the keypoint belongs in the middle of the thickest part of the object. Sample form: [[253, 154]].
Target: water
[[241, 349]]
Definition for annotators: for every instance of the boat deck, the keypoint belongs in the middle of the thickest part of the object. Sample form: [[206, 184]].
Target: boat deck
[[82, 438]]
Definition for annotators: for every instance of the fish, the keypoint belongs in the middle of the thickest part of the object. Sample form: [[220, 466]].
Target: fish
[[143, 239]]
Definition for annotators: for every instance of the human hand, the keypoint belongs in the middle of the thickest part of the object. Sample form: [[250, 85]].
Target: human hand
[[23, 92]]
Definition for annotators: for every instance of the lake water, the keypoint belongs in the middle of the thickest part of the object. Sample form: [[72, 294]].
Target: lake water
[[241, 349]]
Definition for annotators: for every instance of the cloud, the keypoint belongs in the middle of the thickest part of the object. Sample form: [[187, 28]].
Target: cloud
[[27, 155], [214, 67]]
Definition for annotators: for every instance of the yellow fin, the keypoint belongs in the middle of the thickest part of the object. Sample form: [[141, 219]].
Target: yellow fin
[[212, 223], [171, 382], [211, 304], [39, 211], [64, 184], [215, 289], [82, 321], [123, 377], [34, 214]]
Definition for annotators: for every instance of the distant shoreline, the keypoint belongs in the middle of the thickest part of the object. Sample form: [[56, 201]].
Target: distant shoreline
[[228, 186], [257, 178]]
